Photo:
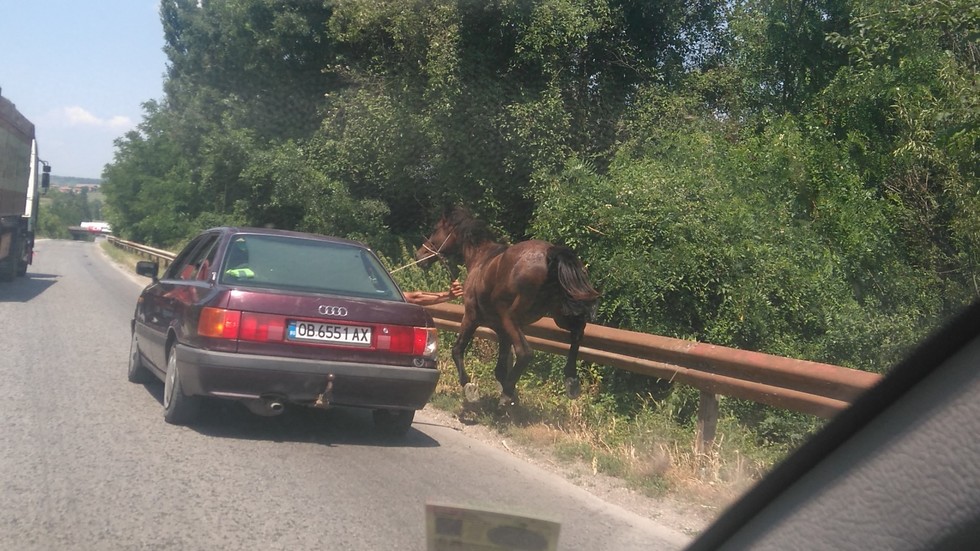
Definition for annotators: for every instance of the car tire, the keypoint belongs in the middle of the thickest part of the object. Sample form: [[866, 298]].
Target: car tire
[[178, 408], [138, 373], [393, 422]]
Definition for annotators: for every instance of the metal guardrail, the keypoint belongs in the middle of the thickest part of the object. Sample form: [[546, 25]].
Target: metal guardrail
[[160, 255], [798, 385]]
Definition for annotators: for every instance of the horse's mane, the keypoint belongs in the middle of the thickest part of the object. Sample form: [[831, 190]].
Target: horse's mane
[[468, 228]]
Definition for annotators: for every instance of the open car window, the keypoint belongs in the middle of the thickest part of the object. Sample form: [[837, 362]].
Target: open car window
[[192, 258]]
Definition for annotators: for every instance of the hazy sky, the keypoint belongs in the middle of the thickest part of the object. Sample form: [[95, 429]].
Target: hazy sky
[[79, 70]]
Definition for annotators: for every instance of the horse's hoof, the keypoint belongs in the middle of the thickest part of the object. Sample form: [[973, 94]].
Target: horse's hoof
[[471, 393], [573, 387], [466, 416]]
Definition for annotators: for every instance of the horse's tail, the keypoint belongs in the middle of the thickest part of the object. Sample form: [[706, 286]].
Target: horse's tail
[[579, 298]]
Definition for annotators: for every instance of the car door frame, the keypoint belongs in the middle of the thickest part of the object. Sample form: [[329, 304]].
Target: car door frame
[[161, 307]]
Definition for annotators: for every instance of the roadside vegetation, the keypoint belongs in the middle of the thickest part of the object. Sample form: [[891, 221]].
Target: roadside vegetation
[[796, 178]]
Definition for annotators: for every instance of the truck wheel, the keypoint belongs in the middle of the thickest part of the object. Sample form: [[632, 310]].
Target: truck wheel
[[178, 408], [393, 422], [8, 268], [23, 259], [137, 371]]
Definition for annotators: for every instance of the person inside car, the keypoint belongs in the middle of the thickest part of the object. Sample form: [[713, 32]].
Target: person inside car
[[238, 261]]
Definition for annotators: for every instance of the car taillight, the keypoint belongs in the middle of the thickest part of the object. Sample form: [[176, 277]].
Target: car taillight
[[431, 342], [414, 341], [219, 323], [262, 327], [234, 324]]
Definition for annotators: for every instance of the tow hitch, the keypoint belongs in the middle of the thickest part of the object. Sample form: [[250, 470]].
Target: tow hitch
[[324, 398]]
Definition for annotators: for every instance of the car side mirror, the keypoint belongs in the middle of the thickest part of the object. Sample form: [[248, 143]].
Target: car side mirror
[[148, 268]]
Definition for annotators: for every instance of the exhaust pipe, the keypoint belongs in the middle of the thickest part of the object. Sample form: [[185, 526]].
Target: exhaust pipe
[[266, 407]]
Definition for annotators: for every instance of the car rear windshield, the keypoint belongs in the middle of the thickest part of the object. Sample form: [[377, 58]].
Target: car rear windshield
[[306, 265]]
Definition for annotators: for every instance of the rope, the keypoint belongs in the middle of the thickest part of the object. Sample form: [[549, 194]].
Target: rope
[[435, 253], [410, 264]]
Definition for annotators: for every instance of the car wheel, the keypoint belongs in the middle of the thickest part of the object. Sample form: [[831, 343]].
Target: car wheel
[[137, 371], [178, 408], [393, 422]]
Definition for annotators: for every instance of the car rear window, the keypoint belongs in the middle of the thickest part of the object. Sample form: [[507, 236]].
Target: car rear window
[[306, 265]]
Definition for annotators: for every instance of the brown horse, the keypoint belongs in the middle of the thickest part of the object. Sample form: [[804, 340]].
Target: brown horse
[[507, 288]]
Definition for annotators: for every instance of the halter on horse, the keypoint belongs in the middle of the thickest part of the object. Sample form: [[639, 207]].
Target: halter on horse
[[507, 288]]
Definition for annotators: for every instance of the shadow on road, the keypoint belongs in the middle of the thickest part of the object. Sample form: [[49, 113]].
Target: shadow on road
[[331, 427], [23, 289]]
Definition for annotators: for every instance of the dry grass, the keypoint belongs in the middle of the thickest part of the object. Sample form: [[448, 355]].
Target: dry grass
[[126, 259]]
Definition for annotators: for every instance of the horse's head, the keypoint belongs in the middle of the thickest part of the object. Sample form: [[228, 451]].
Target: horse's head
[[442, 241]]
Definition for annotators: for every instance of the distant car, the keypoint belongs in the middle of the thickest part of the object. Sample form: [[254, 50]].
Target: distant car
[[271, 318]]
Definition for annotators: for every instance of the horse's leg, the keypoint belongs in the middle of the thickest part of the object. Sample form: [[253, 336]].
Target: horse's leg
[[523, 353], [466, 331], [576, 328], [505, 358], [573, 387]]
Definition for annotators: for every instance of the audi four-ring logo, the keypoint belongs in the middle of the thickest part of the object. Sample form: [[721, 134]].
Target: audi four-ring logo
[[338, 311]]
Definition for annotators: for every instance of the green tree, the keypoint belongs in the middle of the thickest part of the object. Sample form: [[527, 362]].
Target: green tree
[[147, 186], [259, 63], [908, 108], [242, 75], [474, 99], [781, 51]]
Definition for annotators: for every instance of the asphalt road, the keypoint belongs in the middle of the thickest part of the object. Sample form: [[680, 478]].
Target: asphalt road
[[87, 461]]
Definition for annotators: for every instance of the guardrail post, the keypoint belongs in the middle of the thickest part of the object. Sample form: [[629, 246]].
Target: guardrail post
[[707, 423]]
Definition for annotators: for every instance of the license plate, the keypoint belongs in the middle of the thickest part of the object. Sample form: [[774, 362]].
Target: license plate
[[328, 332]]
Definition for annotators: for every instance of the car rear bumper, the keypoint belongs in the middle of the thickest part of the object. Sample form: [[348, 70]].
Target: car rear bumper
[[243, 376]]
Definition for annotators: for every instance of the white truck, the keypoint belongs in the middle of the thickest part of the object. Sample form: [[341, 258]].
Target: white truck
[[21, 183]]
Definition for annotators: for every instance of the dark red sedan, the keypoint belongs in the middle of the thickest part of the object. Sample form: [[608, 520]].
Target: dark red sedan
[[271, 318]]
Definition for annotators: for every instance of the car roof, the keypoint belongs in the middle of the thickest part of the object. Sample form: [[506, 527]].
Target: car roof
[[286, 233]]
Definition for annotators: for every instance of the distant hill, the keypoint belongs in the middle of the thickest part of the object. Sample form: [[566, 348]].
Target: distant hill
[[72, 181]]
